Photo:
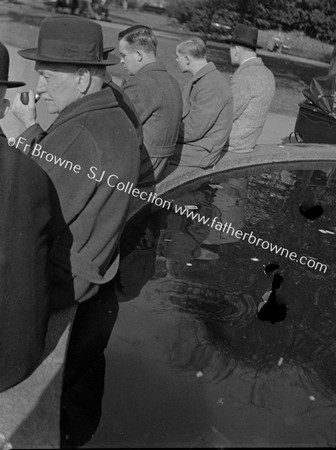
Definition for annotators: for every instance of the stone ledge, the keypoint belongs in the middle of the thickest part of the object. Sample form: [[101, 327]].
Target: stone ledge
[[262, 154]]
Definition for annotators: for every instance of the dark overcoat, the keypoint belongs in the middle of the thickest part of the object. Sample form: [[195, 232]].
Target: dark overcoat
[[91, 151], [27, 224]]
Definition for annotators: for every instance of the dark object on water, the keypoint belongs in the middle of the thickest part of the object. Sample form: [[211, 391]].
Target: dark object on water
[[271, 267], [25, 97], [272, 311], [312, 213], [316, 120]]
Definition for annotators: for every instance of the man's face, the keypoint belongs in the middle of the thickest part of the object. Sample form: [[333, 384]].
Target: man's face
[[182, 61], [129, 57], [234, 55], [58, 86]]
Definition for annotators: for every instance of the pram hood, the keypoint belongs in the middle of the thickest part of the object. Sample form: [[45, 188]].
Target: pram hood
[[321, 93]]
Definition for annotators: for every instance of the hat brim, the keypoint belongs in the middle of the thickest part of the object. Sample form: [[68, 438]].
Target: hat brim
[[110, 60], [12, 84], [243, 43]]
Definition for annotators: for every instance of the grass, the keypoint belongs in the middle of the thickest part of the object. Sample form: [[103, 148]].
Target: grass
[[300, 45], [19, 27]]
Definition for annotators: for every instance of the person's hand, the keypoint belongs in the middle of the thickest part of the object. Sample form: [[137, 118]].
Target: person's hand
[[4, 444], [25, 113]]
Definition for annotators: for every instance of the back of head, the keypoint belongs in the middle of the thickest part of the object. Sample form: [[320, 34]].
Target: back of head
[[194, 47], [140, 37]]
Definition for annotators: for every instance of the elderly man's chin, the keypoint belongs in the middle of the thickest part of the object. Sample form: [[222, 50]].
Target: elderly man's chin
[[52, 108]]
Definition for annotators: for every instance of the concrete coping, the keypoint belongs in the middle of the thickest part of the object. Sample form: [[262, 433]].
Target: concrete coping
[[263, 154]]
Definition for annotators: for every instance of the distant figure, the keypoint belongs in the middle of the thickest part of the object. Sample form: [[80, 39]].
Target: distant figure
[[253, 88], [207, 108], [156, 97]]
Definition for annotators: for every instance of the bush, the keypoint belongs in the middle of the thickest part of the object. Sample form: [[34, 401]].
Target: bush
[[316, 18]]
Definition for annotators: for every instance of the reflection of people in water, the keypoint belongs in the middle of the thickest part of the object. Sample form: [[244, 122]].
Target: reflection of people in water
[[181, 236], [83, 385], [137, 254], [230, 199]]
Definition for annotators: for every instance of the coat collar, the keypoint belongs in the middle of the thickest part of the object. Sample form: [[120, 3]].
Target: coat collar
[[157, 66], [104, 99], [204, 71], [252, 62]]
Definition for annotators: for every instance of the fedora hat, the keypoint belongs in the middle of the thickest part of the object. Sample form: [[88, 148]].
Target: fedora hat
[[4, 68], [245, 35], [70, 40]]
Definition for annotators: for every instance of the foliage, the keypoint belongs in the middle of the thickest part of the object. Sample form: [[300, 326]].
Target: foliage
[[316, 18]]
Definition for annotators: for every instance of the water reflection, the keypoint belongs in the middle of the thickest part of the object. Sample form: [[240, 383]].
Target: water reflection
[[222, 294], [204, 370]]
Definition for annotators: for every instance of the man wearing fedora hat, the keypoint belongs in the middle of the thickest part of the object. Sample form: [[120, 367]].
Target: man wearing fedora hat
[[29, 221], [253, 88], [93, 133]]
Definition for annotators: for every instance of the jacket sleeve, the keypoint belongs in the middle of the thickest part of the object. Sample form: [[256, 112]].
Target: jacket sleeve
[[205, 107], [83, 197], [140, 96], [241, 92], [31, 133]]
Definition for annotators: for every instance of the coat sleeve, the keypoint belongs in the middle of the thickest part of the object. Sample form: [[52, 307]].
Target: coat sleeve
[[205, 106], [31, 133], [241, 92], [140, 96]]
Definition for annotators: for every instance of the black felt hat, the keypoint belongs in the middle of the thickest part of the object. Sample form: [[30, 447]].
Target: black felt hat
[[70, 40], [245, 35], [4, 67]]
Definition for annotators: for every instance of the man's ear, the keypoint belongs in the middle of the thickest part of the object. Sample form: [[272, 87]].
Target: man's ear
[[187, 60], [84, 79], [4, 107], [140, 56]]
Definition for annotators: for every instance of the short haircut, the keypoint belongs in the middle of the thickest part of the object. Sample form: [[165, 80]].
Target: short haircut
[[140, 37], [194, 47]]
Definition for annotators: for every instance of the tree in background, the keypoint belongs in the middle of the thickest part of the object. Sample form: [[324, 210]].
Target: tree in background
[[316, 18]]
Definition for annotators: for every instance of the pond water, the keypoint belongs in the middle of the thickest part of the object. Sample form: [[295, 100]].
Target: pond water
[[184, 361]]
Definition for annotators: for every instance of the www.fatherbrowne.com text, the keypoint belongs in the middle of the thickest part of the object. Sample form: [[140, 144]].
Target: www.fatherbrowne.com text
[[151, 197]]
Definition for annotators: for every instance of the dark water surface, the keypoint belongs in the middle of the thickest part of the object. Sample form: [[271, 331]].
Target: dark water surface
[[186, 362]]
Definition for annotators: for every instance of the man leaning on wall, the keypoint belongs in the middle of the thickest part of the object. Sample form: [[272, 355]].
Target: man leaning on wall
[[156, 97], [253, 88], [207, 109]]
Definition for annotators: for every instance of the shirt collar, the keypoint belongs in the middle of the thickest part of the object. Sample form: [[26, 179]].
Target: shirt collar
[[248, 59]]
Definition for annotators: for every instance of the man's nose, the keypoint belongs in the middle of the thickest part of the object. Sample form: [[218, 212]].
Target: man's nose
[[41, 85]]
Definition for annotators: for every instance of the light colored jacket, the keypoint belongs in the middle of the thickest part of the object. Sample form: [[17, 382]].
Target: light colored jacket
[[253, 88], [207, 118]]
